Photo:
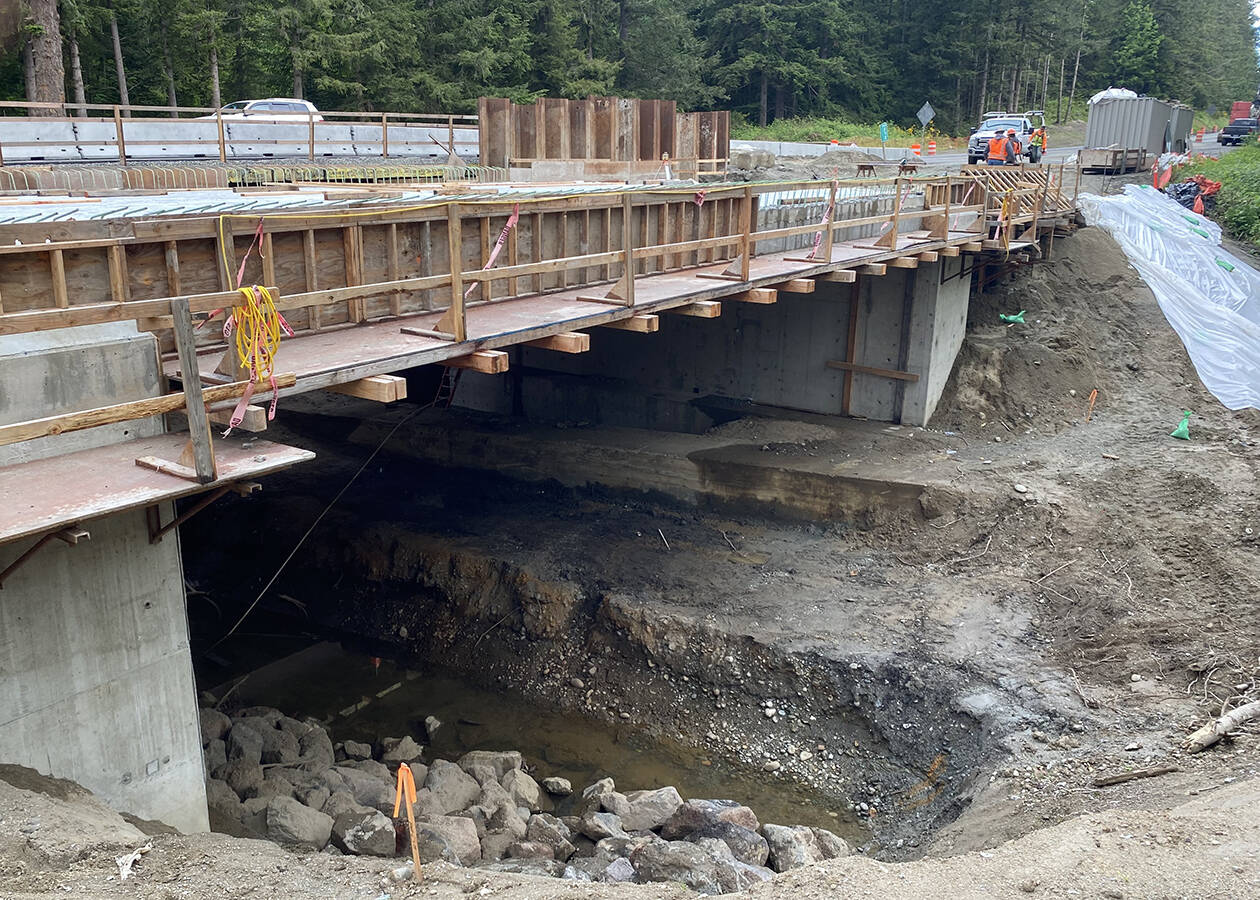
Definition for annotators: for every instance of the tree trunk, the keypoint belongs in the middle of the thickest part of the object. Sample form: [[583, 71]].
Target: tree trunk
[[46, 82], [123, 98], [295, 55], [76, 75], [984, 78], [780, 102], [28, 71], [216, 96], [1045, 86], [765, 96], [623, 24], [1058, 108], [169, 68], [1076, 69]]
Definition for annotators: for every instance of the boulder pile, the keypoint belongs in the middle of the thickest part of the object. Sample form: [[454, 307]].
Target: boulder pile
[[283, 779]]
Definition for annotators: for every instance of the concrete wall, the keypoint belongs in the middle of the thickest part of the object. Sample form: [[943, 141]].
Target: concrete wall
[[96, 680], [695, 373]]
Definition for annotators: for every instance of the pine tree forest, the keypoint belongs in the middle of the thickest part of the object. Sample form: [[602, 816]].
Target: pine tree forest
[[865, 60]]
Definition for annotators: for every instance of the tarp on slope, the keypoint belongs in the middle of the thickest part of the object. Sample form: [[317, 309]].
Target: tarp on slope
[[1209, 296]]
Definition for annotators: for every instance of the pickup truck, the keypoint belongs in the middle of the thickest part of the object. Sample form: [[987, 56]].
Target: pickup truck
[[1238, 131], [978, 145]]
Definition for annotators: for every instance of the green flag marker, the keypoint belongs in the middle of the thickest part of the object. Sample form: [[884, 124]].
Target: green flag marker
[[1018, 318], [1182, 431], [1225, 264]]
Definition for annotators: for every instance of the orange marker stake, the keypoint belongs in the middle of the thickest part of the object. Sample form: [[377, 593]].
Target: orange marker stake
[[406, 790], [1093, 395]]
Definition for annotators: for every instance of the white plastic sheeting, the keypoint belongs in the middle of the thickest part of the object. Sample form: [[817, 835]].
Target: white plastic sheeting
[[1113, 93], [1209, 296]]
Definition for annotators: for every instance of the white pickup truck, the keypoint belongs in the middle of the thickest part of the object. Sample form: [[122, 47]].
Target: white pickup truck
[[978, 145]]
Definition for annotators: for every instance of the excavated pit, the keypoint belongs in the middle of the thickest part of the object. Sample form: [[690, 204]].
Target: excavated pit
[[522, 589]]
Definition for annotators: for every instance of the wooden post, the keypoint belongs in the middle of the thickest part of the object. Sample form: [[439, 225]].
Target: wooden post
[[312, 276], [310, 118], [218, 118], [119, 137], [58, 266], [831, 221], [391, 266], [855, 296], [745, 240], [385, 135], [627, 242], [455, 250], [450, 136], [198, 420], [949, 200]]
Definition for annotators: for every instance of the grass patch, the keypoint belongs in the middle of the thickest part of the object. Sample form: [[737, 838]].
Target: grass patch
[[1238, 203], [819, 130]]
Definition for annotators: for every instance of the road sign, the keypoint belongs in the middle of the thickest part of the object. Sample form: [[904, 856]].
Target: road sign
[[883, 132], [926, 114], [1211, 110]]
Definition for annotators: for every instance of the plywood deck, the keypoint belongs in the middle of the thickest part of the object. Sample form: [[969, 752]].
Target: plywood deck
[[49, 494], [336, 356]]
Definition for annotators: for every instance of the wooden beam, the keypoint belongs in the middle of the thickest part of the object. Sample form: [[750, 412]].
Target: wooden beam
[[489, 362], [871, 370], [948, 251], [125, 412], [928, 256], [644, 324], [564, 342], [701, 309], [840, 276], [873, 269], [797, 286], [254, 418], [381, 388], [973, 247], [195, 408], [757, 295], [904, 262]]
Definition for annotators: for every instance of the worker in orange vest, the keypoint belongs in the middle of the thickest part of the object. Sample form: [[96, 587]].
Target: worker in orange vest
[[999, 149], [1013, 149]]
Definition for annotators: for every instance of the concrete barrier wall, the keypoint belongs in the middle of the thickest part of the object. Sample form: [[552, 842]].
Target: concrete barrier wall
[[94, 653]]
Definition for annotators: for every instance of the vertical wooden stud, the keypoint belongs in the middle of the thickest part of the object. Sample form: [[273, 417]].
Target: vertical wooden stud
[[58, 266], [627, 241], [198, 420], [391, 266], [312, 274], [119, 289], [173, 282], [455, 244]]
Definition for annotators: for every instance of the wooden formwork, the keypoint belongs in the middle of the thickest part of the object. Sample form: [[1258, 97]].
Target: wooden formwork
[[601, 128], [375, 291]]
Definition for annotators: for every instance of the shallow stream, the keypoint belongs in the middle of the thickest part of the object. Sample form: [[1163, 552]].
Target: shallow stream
[[364, 698]]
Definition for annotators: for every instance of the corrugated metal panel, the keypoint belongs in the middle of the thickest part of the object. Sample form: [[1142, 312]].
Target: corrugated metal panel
[[1182, 125], [1128, 123]]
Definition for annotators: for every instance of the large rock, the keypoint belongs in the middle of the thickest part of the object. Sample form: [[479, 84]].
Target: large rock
[[313, 795], [696, 814], [364, 835], [494, 845], [616, 803], [367, 788], [504, 818], [433, 847], [791, 846], [268, 714], [745, 845], [501, 761], [831, 846], [525, 791], [375, 769], [530, 850], [224, 806], [546, 867], [600, 825], [295, 727], [243, 776], [750, 158], [215, 755], [546, 829], [340, 802], [289, 822], [683, 862], [592, 796], [493, 796], [406, 750], [214, 725], [316, 750], [557, 787], [452, 788], [245, 741], [459, 833], [279, 747], [480, 817], [732, 874], [650, 809], [356, 750], [483, 775]]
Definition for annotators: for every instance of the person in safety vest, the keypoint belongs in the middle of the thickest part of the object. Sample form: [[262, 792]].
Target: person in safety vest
[[1037, 144], [1013, 149], [998, 150]]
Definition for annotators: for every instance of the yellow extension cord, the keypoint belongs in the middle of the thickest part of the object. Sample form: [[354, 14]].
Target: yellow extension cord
[[256, 333]]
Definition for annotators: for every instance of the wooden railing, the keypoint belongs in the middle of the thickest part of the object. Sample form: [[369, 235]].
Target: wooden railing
[[391, 263]]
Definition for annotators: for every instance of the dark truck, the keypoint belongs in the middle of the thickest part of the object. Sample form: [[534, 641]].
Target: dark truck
[[1238, 131]]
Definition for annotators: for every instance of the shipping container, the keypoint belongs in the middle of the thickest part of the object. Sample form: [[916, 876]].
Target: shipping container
[[1240, 110], [1145, 123]]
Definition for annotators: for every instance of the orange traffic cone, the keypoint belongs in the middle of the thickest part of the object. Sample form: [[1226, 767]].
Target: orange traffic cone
[[916, 149], [931, 148]]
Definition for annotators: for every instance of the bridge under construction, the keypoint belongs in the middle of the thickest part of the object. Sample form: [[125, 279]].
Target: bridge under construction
[[829, 297]]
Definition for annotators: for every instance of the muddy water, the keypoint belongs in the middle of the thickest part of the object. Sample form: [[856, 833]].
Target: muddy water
[[363, 699]]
